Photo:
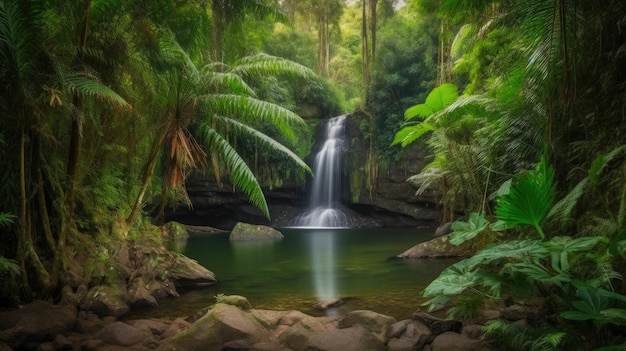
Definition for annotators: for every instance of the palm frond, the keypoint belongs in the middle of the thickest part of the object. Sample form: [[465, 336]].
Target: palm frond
[[91, 88], [263, 65], [18, 42], [241, 175], [248, 109], [227, 83], [173, 53], [270, 144]]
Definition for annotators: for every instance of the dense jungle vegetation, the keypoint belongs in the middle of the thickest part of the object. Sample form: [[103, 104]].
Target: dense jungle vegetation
[[108, 105]]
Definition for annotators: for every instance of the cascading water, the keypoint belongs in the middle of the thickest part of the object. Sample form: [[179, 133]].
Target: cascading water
[[324, 212], [327, 173]]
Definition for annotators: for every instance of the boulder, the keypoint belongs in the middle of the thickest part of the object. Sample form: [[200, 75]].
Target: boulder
[[106, 300], [189, 273], [376, 323], [437, 248], [28, 325], [140, 295], [450, 341], [409, 335], [247, 232], [438, 325], [120, 334], [313, 334], [222, 327], [152, 326], [235, 300]]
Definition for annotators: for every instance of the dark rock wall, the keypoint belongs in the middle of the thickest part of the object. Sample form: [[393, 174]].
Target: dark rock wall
[[382, 185]]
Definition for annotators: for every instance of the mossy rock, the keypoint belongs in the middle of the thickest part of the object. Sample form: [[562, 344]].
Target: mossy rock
[[249, 232], [175, 231]]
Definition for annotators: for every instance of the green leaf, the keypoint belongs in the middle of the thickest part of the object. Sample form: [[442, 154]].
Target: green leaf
[[248, 109], [241, 175], [463, 231], [91, 88], [409, 134], [529, 199], [436, 101]]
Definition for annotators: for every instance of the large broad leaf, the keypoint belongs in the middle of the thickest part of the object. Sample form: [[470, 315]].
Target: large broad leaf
[[436, 101], [409, 134], [529, 198], [463, 231]]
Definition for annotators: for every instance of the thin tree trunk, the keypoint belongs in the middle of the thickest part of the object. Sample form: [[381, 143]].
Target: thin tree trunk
[[147, 176]]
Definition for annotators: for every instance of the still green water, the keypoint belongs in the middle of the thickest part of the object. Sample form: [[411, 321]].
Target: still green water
[[309, 265]]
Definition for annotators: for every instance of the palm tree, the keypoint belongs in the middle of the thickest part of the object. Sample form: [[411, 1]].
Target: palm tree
[[202, 108]]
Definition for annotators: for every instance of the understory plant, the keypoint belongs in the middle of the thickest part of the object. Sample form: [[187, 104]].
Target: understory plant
[[574, 275]]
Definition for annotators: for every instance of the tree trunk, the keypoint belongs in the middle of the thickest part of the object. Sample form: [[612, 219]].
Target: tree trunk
[[147, 176]]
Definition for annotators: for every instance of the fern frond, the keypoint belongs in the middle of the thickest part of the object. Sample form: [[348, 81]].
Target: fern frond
[[241, 175], [260, 65], [249, 110], [90, 88], [270, 144]]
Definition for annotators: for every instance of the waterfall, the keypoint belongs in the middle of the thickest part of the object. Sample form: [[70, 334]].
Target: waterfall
[[327, 175]]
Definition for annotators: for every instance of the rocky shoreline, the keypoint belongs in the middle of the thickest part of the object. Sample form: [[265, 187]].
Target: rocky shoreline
[[232, 324]]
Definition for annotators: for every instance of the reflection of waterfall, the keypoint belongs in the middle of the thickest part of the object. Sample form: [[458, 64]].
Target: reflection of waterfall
[[327, 174], [323, 260]]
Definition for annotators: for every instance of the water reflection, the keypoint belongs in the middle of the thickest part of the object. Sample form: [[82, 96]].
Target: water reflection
[[253, 253], [324, 267]]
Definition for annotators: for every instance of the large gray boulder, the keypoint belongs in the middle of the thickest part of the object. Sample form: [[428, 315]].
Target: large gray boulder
[[107, 300], [376, 323], [189, 273], [450, 341], [317, 334], [121, 334], [36, 322], [247, 232], [222, 327]]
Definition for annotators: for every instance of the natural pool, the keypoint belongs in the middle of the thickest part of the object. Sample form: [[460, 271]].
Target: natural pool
[[356, 265]]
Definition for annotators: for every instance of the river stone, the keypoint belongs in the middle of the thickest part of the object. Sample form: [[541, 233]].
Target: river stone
[[26, 325], [376, 323], [120, 334], [106, 300], [437, 248], [315, 335], [409, 335], [438, 325], [223, 326], [189, 273], [238, 301], [140, 295], [450, 341], [246, 232], [153, 326]]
